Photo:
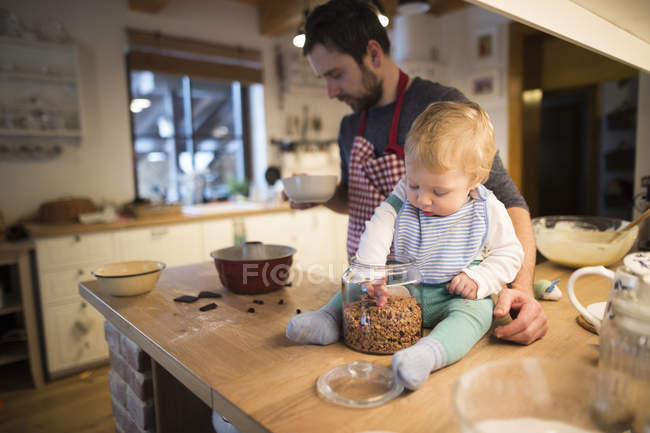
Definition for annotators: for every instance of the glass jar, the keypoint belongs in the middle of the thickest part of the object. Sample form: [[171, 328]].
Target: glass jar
[[395, 325], [625, 346]]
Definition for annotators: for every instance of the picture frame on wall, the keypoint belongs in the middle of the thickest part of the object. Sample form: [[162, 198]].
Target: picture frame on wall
[[485, 46], [484, 85]]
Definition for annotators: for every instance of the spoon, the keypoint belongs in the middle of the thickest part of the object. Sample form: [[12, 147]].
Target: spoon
[[618, 233]]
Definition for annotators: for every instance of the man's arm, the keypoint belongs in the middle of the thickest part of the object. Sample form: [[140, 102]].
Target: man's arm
[[530, 323], [339, 201]]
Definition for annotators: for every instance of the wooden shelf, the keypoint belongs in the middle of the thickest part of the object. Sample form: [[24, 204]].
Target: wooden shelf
[[35, 76], [12, 304], [68, 133], [13, 352]]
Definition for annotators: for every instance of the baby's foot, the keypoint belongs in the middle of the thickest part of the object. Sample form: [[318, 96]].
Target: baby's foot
[[314, 327], [412, 366]]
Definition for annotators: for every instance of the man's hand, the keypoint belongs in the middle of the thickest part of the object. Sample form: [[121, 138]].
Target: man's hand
[[463, 285], [529, 324]]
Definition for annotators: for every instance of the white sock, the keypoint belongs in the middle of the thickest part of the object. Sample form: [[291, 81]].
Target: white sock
[[316, 327], [412, 366]]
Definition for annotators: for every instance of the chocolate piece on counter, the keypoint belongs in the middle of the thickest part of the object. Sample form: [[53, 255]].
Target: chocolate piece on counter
[[298, 311], [288, 284], [258, 301], [206, 294], [281, 301], [186, 298], [251, 310], [207, 307]]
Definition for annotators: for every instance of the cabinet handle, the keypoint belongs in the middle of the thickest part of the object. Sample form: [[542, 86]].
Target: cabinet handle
[[77, 238], [80, 272], [158, 233]]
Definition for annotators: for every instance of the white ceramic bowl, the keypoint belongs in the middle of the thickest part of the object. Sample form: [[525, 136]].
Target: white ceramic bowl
[[129, 278], [577, 241], [309, 189]]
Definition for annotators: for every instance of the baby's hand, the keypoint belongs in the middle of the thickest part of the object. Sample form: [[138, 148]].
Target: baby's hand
[[463, 285], [379, 290]]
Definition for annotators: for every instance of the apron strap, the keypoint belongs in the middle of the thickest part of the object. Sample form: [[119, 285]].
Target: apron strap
[[392, 137]]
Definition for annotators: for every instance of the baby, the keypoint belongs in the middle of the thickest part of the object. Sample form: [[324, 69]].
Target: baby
[[458, 232]]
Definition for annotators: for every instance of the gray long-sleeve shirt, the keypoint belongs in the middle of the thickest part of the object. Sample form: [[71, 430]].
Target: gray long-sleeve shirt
[[418, 96]]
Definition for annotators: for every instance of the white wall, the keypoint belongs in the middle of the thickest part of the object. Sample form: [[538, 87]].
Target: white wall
[[416, 38]]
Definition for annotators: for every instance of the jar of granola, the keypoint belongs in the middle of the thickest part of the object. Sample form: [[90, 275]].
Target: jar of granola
[[382, 305]]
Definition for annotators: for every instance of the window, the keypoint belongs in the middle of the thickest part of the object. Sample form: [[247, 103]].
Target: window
[[189, 111]]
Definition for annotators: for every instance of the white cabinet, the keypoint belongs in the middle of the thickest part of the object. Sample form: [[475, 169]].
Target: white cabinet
[[54, 253], [74, 333], [173, 244], [217, 234], [39, 98]]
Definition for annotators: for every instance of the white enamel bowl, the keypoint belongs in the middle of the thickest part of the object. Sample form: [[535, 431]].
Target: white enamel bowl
[[309, 189], [129, 278]]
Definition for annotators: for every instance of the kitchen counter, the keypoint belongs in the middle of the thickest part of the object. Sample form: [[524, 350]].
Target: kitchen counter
[[189, 214], [242, 365]]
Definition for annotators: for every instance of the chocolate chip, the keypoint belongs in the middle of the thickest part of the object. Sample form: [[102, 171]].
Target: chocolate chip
[[288, 284], [206, 294], [208, 307], [298, 311], [186, 298], [258, 301], [281, 301], [251, 310]]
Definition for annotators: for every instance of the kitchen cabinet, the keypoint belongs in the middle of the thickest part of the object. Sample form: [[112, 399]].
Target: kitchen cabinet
[[173, 244], [217, 234], [39, 98], [73, 334]]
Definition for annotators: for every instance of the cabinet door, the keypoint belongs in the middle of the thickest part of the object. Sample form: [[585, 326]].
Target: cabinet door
[[62, 285], [74, 335], [174, 244], [275, 228], [54, 253], [217, 234]]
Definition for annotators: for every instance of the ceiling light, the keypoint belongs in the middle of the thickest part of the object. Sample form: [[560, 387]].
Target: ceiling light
[[412, 7], [299, 40]]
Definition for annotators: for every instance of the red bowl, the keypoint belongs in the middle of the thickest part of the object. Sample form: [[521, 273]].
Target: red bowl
[[253, 268]]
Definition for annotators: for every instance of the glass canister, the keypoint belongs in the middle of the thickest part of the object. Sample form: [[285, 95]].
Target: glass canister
[[625, 345], [371, 326]]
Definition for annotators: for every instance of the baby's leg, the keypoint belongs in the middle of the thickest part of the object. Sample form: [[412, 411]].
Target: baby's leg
[[466, 322], [317, 327]]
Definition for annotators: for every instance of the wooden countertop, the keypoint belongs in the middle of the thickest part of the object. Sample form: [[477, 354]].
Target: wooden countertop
[[42, 230], [242, 365]]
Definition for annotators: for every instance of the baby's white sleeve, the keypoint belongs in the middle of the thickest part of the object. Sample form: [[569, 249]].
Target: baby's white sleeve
[[377, 238], [503, 252]]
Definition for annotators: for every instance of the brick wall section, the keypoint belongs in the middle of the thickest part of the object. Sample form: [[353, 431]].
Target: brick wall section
[[130, 384]]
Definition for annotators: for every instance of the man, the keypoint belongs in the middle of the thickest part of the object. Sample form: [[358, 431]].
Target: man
[[347, 46]]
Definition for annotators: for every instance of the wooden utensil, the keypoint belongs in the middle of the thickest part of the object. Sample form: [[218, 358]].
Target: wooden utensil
[[618, 233]]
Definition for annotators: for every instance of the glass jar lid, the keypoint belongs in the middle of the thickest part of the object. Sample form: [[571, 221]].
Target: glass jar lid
[[359, 384]]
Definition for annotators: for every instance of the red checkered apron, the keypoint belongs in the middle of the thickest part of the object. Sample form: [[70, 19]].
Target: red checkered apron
[[370, 179]]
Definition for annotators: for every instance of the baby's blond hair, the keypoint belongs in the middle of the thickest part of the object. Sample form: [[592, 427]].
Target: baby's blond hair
[[449, 135]]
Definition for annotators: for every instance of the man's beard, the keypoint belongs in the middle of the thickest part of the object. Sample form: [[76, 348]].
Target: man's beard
[[372, 92]]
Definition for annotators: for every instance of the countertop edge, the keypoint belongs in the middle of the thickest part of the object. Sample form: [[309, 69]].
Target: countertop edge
[[40, 230]]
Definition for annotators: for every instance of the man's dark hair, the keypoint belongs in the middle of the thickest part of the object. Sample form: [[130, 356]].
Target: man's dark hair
[[345, 26]]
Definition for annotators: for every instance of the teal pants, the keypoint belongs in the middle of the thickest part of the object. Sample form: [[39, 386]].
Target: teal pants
[[458, 323]]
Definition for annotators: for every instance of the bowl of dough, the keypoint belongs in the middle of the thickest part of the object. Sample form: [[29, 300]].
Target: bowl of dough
[[309, 189], [129, 278], [577, 241]]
